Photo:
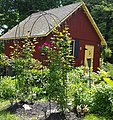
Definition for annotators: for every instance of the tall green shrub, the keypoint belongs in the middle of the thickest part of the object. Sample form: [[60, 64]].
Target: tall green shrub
[[23, 66], [59, 64]]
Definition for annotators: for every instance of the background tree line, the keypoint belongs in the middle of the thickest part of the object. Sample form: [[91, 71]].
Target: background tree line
[[14, 11]]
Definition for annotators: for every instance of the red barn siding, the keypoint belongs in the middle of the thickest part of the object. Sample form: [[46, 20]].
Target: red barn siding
[[8, 50], [81, 28]]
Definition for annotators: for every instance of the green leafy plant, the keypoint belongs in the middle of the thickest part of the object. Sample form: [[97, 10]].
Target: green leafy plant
[[7, 87], [109, 68], [81, 95], [102, 99], [44, 49], [108, 81], [4, 60], [4, 64], [106, 53], [1, 47]]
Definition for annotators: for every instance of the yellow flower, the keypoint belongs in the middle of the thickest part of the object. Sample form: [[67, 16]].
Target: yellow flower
[[11, 47], [61, 34]]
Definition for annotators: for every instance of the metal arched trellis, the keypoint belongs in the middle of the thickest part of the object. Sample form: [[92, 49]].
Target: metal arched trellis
[[38, 16]]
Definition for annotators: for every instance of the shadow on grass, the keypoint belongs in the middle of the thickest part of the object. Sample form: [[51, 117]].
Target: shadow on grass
[[6, 115]]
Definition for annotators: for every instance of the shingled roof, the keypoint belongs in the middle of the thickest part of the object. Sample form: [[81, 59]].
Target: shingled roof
[[41, 23]]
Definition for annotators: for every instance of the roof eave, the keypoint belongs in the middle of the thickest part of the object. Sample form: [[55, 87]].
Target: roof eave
[[23, 37]]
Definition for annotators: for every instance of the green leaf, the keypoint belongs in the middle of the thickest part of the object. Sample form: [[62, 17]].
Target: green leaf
[[108, 81]]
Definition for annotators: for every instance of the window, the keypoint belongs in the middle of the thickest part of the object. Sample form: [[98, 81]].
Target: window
[[75, 48], [72, 45]]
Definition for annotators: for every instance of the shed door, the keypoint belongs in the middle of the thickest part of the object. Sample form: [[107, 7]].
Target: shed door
[[89, 53]]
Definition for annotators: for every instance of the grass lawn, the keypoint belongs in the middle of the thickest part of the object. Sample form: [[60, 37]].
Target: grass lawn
[[96, 117]]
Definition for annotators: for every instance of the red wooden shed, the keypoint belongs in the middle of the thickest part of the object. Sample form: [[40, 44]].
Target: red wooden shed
[[82, 28]]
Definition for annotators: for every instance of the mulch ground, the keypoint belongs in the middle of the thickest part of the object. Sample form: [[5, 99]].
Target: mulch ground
[[37, 111]]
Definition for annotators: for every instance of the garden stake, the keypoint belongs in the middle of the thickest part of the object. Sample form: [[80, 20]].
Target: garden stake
[[89, 65], [44, 110]]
